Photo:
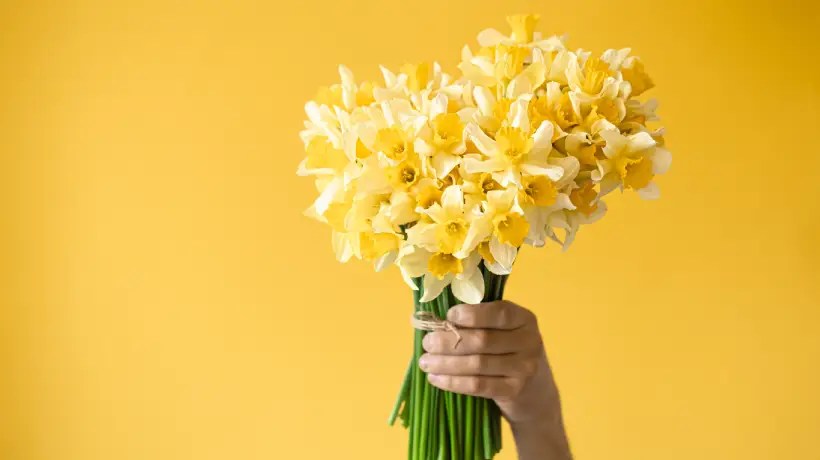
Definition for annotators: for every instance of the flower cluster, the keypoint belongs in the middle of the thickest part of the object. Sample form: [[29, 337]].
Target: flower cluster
[[440, 174]]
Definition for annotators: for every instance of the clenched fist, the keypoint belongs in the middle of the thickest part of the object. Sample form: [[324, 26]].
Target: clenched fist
[[501, 356]]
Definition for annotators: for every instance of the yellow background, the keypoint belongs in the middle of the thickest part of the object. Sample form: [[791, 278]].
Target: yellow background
[[164, 298]]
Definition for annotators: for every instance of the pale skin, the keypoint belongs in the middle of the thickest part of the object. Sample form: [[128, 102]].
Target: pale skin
[[501, 356]]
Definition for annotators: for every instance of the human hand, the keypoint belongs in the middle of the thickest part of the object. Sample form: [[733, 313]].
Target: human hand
[[501, 356]]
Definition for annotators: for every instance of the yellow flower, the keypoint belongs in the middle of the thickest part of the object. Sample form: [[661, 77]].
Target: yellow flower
[[447, 131], [442, 138], [515, 150], [523, 26], [441, 264], [428, 194], [636, 172], [593, 81], [584, 198], [375, 245], [330, 95], [394, 143], [417, 75], [439, 173], [484, 250], [439, 271], [510, 61], [449, 224], [556, 107], [537, 190], [405, 174], [511, 228], [631, 162], [321, 155], [634, 73]]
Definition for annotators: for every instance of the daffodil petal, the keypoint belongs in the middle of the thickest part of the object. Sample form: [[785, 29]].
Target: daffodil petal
[[469, 290], [551, 171], [661, 160], [433, 286]]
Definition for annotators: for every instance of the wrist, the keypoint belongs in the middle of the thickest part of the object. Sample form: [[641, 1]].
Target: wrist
[[542, 438]]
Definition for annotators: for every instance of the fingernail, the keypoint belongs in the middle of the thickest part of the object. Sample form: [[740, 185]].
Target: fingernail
[[424, 361], [434, 378], [452, 313]]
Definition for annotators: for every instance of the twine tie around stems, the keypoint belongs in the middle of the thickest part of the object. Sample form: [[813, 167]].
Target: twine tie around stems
[[428, 321]]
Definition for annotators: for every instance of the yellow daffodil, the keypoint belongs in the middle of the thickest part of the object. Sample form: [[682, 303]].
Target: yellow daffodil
[[515, 150], [443, 174], [523, 34], [448, 225], [441, 270], [442, 138], [631, 163]]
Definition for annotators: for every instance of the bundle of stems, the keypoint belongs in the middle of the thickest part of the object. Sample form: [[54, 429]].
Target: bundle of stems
[[444, 425]]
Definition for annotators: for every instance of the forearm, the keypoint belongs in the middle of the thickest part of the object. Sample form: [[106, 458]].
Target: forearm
[[542, 440]]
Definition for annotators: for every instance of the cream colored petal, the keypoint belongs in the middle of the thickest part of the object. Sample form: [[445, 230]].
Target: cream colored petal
[[518, 117], [327, 196], [562, 201], [452, 200], [609, 183], [542, 138], [474, 165], [615, 142], [571, 167], [661, 160], [433, 286], [503, 253], [423, 236], [491, 37], [413, 260], [384, 261], [640, 141], [469, 290], [478, 231], [341, 247], [537, 218], [501, 200], [443, 163], [496, 268], [484, 99], [466, 54], [438, 106], [650, 192], [482, 141], [551, 171]]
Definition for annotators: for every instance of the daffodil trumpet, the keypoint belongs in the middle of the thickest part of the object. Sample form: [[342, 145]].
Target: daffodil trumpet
[[448, 176]]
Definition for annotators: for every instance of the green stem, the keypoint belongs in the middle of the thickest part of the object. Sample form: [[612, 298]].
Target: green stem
[[469, 428], [403, 394]]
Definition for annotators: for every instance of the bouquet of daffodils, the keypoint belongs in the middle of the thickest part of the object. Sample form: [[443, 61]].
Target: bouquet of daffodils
[[448, 176]]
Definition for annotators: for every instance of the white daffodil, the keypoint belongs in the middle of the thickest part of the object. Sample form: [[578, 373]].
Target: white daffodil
[[441, 270], [503, 226], [515, 151], [539, 198], [442, 138], [592, 82], [513, 71], [631, 163], [447, 224], [523, 34]]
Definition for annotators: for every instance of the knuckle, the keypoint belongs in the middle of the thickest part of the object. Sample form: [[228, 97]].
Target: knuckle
[[504, 314], [481, 338], [472, 385], [476, 362], [515, 386], [464, 315], [528, 367]]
